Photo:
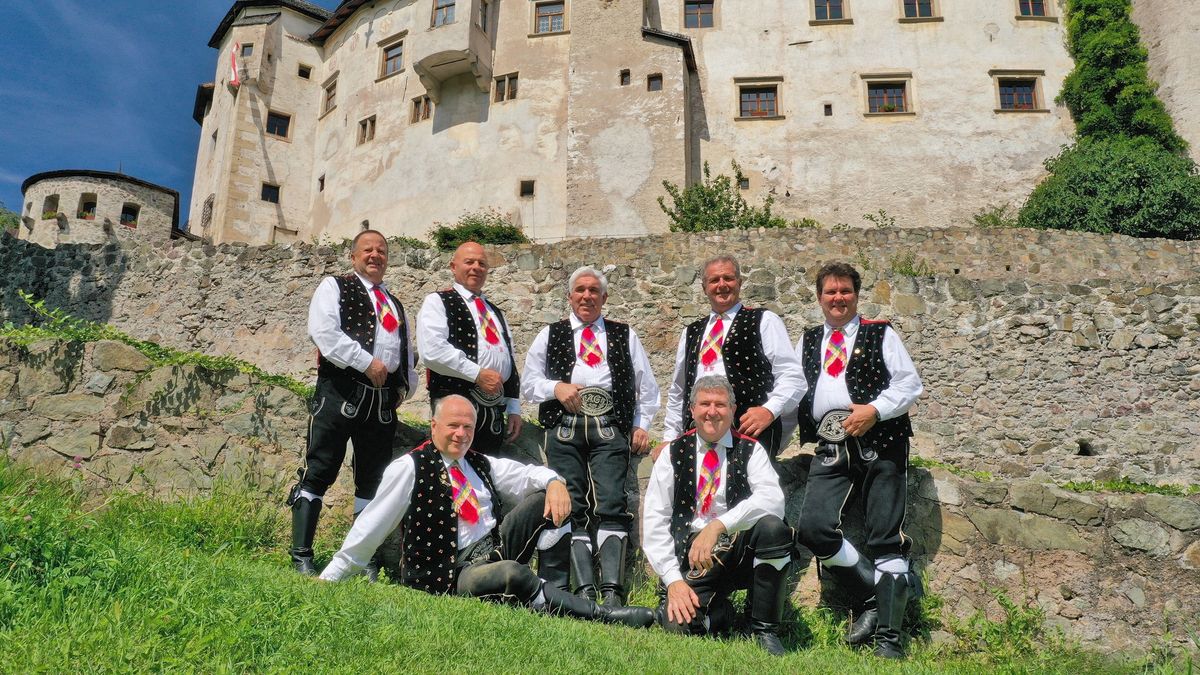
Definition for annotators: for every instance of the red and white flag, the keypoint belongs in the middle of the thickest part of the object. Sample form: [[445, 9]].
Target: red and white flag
[[234, 79]]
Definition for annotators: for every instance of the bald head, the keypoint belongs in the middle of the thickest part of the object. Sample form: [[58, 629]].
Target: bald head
[[452, 428], [470, 266]]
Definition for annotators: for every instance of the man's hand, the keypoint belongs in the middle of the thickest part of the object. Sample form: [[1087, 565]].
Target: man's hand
[[489, 381], [640, 443], [514, 426], [657, 451], [755, 421], [376, 373], [568, 395], [682, 602], [558, 502], [701, 555], [862, 418]]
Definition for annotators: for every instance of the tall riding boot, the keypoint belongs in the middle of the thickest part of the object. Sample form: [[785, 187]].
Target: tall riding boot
[[554, 564], [859, 582], [304, 526], [582, 569], [768, 593], [564, 604], [892, 593], [612, 571]]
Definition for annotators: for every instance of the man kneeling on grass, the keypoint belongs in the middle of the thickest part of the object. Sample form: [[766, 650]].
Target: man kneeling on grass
[[713, 522], [447, 498]]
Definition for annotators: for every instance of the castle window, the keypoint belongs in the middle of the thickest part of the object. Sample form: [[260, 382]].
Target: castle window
[[87, 206], [758, 101], [550, 17], [330, 101], [918, 9], [247, 49], [50, 207], [624, 78], [506, 88], [422, 109], [366, 130], [526, 188], [304, 72], [744, 183], [698, 14], [393, 57], [887, 97], [278, 124], [1018, 90], [321, 183], [829, 110], [130, 213], [270, 193], [654, 82], [829, 10], [1032, 7], [443, 13], [484, 8]]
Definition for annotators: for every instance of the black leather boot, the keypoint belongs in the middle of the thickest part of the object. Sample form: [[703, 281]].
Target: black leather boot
[[562, 603], [768, 593], [554, 564], [612, 571], [582, 569], [892, 593], [305, 513], [859, 582]]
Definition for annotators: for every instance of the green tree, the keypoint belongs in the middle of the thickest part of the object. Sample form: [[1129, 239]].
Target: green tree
[[9, 220], [716, 204]]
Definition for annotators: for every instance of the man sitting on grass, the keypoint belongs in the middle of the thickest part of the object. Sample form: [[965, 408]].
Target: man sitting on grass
[[447, 498], [713, 523]]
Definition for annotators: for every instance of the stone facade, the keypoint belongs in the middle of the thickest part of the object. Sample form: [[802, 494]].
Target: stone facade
[[625, 96], [94, 207], [1167, 28]]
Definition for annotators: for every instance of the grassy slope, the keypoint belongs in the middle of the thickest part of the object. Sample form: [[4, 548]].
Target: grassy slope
[[132, 584]]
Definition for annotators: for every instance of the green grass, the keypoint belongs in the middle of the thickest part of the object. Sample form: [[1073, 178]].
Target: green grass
[[202, 584]]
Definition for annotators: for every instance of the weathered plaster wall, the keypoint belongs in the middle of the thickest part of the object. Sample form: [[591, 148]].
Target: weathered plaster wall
[[155, 215], [1169, 29]]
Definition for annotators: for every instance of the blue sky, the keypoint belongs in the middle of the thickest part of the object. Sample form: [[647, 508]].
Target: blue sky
[[104, 84]]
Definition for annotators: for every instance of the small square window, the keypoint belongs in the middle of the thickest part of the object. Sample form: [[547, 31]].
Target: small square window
[[443, 13], [393, 58], [304, 72], [828, 10], [129, 215], [506, 88], [698, 14], [87, 206], [624, 78], [270, 193], [527, 187], [1032, 7], [759, 101], [247, 49], [366, 130], [829, 110], [278, 124], [330, 97], [1018, 94], [321, 183], [918, 9], [654, 82], [744, 183], [887, 97], [422, 108], [550, 17]]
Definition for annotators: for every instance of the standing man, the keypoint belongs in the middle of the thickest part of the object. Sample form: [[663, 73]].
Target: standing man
[[596, 396], [713, 523], [748, 346], [364, 371], [861, 383], [465, 345], [457, 541]]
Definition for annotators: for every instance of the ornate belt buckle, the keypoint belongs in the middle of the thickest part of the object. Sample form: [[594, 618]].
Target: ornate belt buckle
[[830, 427], [595, 401], [724, 545], [485, 399]]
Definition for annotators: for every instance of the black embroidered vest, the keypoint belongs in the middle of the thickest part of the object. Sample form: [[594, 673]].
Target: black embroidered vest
[[357, 311], [464, 336], [683, 462], [746, 363], [561, 362], [866, 378], [431, 526]]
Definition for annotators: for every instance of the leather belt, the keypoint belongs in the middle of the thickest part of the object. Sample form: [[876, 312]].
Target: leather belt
[[594, 401], [830, 427]]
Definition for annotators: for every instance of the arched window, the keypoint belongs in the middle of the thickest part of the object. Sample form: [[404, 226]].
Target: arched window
[[87, 206]]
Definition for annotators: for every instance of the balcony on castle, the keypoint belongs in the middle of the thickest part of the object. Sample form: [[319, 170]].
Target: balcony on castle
[[453, 45]]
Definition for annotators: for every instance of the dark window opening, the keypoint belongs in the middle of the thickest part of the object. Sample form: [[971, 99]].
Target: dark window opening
[[1085, 449], [321, 183], [305, 72], [278, 123], [366, 130], [129, 214], [50, 207], [654, 82], [247, 49], [506, 88], [270, 193], [422, 108], [698, 14], [1033, 7], [918, 8], [624, 78], [87, 206], [527, 187], [826, 10], [1018, 94], [829, 110], [744, 183]]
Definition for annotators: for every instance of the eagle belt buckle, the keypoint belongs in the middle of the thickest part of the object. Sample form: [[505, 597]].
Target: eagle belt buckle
[[594, 401], [485, 399], [830, 428], [724, 545]]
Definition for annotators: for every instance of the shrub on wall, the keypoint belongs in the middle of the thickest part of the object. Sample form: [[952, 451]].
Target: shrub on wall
[[486, 227], [716, 204], [1121, 185], [9, 221]]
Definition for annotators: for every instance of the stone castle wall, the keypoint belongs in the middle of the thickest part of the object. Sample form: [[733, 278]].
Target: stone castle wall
[[65, 196]]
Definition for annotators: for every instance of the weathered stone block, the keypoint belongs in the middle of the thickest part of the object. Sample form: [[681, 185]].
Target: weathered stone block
[[69, 407], [112, 355], [1009, 528], [79, 441], [1180, 513], [1057, 503], [1142, 535], [98, 383], [7, 381], [1191, 556]]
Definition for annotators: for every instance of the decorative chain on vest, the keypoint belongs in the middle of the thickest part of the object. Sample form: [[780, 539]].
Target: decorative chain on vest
[[464, 336], [560, 364], [683, 463], [746, 364]]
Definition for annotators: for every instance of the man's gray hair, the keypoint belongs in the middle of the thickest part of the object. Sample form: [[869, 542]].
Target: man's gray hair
[[737, 269], [437, 405], [712, 383], [588, 271]]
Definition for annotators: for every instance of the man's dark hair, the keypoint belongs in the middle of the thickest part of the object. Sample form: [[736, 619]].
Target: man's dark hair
[[354, 242], [838, 270]]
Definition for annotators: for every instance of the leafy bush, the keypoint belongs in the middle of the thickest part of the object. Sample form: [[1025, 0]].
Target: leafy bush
[[488, 226], [9, 220], [715, 204], [881, 219], [909, 265], [1121, 185], [995, 216]]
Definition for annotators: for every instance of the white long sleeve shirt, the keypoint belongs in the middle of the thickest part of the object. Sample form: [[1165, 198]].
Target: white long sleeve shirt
[[766, 499], [536, 387], [325, 329], [513, 480], [438, 355], [784, 396], [901, 393]]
